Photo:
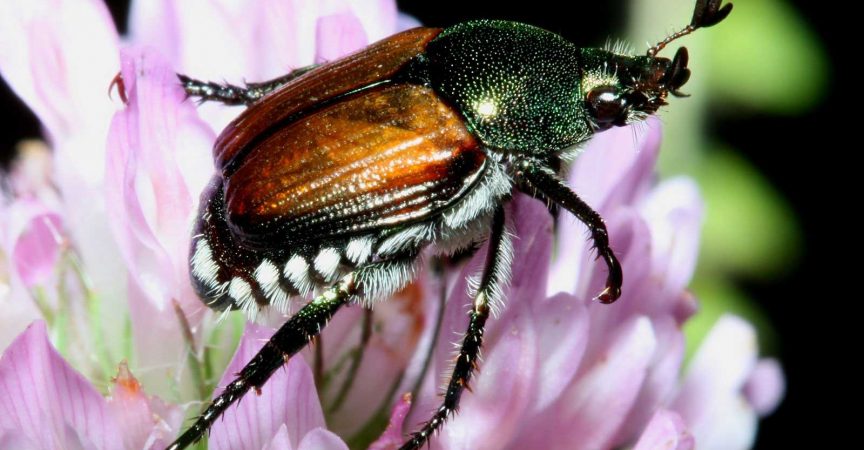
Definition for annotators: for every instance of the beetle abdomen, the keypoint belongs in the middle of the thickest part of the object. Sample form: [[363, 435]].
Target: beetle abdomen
[[389, 156], [228, 275]]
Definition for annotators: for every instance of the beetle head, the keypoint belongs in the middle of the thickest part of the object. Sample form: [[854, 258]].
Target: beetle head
[[620, 89]]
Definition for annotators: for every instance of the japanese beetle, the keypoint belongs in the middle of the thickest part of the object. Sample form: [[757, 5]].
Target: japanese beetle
[[337, 176]]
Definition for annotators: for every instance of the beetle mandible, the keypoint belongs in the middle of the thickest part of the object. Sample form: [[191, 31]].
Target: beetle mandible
[[337, 176]]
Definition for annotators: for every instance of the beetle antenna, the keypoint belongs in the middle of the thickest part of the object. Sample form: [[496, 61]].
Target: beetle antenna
[[707, 13]]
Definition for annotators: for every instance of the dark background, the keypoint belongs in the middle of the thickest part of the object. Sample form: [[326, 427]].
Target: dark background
[[803, 158]]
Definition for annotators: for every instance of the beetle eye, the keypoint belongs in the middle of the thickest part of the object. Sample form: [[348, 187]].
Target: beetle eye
[[607, 107]]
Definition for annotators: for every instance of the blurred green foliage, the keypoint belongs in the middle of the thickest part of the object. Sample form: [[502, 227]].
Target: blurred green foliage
[[767, 58], [750, 231], [764, 59]]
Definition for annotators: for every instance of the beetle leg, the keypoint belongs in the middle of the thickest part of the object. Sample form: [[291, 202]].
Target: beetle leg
[[549, 185], [265, 87], [287, 341], [230, 94], [295, 334], [495, 276]]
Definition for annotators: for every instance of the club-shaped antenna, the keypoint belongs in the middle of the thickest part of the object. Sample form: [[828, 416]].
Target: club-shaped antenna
[[706, 14]]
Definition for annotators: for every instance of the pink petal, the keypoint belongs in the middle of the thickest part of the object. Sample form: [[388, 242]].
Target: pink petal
[[262, 42], [531, 224], [46, 71], [710, 399], [151, 191], [660, 382], [280, 441], [321, 439], [484, 410], [617, 165], [589, 413], [766, 386], [430, 291], [146, 421], [392, 437], [317, 439], [453, 325], [288, 398], [406, 22], [449, 336], [666, 431], [150, 196], [59, 56], [674, 210], [337, 35], [31, 257], [16, 439], [598, 403], [34, 237], [379, 17], [378, 371], [18, 308], [730, 425], [572, 266], [562, 333], [226, 39], [45, 402], [454, 322]]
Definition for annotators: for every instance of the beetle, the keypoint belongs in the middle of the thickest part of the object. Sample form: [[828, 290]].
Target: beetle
[[337, 176]]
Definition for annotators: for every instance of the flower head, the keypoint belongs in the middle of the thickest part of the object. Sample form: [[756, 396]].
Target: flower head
[[99, 244]]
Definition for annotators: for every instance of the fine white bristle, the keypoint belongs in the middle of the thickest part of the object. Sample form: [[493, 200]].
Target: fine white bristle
[[618, 47], [297, 272], [359, 250], [203, 267], [327, 263], [241, 292], [267, 275]]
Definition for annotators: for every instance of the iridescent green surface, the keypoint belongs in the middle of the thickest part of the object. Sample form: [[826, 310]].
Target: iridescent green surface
[[490, 70]]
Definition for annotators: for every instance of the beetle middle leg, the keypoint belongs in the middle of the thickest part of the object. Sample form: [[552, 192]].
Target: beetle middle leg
[[495, 275], [230, 94]]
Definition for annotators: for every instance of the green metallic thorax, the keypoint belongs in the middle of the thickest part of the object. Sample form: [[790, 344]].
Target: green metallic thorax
[[518, 86]]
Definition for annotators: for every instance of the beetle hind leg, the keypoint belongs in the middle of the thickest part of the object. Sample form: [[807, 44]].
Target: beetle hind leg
[[495, 275], [230, 94], [372, 279], [292, 337]]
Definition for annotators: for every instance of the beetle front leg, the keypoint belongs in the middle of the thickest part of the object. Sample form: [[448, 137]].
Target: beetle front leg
[[550, 186], [496, 274], [230, 94]]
